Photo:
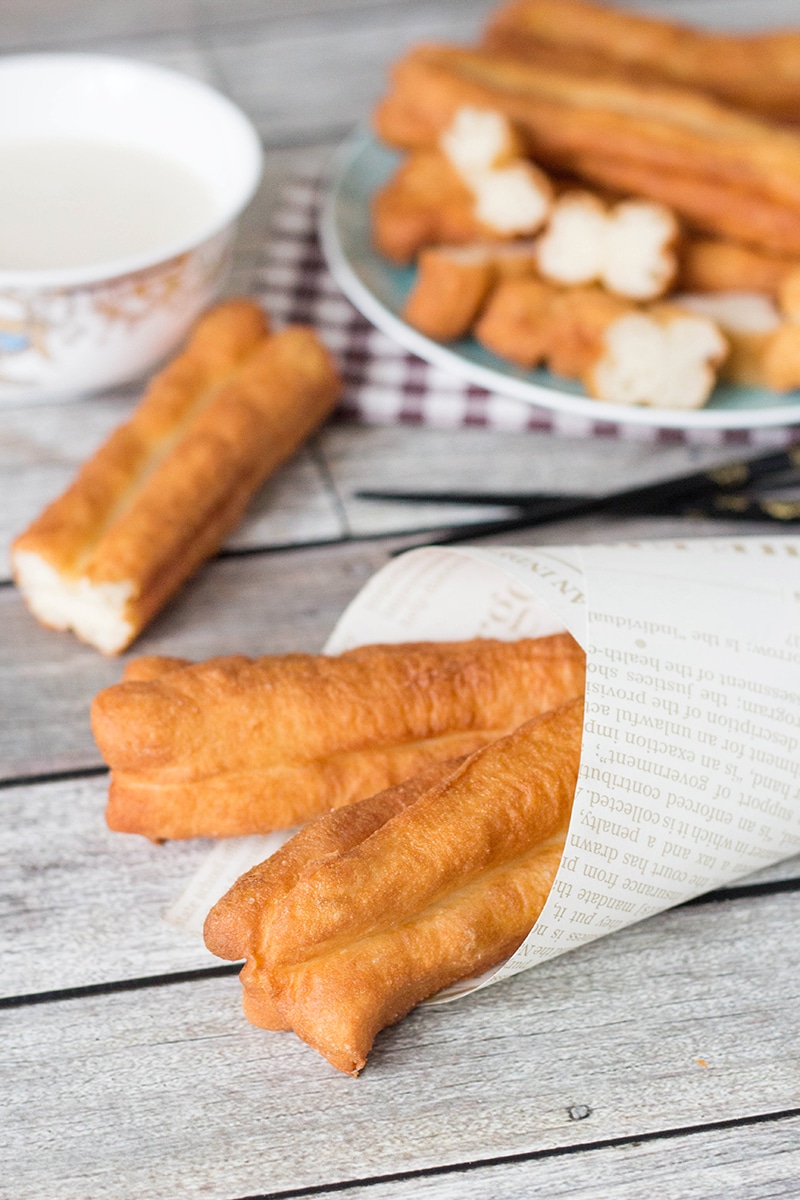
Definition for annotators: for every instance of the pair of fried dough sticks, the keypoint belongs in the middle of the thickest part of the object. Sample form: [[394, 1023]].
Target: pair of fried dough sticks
[[162, 492], [236, 746], [438, 780], [374, 907]]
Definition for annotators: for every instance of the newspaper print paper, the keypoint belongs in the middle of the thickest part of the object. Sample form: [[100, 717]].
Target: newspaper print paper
[[689, 776]]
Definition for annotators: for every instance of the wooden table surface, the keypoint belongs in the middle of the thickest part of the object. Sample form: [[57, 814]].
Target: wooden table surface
[[661, 1060]]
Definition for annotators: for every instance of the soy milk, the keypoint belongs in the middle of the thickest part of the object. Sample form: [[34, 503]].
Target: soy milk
[[74, 203]]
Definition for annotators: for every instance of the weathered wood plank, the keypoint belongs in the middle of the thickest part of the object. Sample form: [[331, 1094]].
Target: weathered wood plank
[[750, 1162], [259, 65], [42, 23], [403, 457], [249, 605], [176, 1095], [311, 498], [254, 604], [82, 906]]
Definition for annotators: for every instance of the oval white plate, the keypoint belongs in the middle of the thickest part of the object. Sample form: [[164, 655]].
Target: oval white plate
[[378, 290]]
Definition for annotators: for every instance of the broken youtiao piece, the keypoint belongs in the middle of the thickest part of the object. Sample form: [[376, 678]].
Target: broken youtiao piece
[[453, 282], [160, 495], [472, 185], [659, 356], [237, 746], [750, 322], [370, 910], [628, 248]]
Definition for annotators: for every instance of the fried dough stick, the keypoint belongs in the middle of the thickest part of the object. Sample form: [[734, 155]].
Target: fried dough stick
[[759, 71], [236, 746], [717, 265], [160, 495], [413, 891], [726, 173]]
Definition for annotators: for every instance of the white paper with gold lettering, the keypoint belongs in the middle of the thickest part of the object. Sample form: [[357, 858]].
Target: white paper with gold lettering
[[690, 772]]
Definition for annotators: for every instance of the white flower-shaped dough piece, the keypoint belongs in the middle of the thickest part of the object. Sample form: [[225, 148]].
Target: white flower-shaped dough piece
[[639, 256], [572, 250], [629, 249], [479, 140], [660, 360], [512, 200]]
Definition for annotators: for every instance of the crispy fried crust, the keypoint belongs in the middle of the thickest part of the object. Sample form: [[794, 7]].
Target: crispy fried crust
[[158, 498], [425, 202], [449, 291], [725, 172], [386, 902], [236, 746], [717, 265], [756, 71]]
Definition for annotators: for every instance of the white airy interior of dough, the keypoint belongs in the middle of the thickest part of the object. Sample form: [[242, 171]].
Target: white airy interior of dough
[[509, 199], [477, 140], [94, 611], [638, 262], [664, 365], [572, 248], [627, 248]]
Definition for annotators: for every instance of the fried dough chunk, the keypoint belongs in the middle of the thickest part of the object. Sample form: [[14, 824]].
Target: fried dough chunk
[[162, 492], [749, 322], [660, 356], [629, 247], [237, 746], [454, 282], [372, 909]]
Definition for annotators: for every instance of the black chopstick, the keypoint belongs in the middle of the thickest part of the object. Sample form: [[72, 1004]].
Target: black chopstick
[[693, 492], [481, 499]]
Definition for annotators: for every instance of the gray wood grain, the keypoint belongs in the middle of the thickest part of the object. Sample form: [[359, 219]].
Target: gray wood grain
[[311, 499], [177, 1096], [255, 604], [406, 458], [751, 1162], [250, 605], [82, 906], [45, 23]]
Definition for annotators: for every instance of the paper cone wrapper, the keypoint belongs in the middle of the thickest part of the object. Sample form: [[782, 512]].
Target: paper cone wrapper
[[690, 773]]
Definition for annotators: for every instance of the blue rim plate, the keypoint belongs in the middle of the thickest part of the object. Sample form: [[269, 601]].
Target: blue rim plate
[[379, 290]]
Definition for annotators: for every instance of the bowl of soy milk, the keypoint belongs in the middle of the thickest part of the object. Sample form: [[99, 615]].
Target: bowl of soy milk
[[120, 187]]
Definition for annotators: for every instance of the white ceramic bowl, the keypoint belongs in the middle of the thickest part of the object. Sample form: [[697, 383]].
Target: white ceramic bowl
[[75, 329]]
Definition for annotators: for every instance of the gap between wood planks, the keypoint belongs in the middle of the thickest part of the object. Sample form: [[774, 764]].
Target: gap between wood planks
[[532, 1156], [719, 896]]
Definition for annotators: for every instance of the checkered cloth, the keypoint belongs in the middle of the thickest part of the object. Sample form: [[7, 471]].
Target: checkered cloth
[[384, 384]]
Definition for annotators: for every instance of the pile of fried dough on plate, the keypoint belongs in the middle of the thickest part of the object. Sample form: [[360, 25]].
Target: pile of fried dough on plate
[[614, 197]]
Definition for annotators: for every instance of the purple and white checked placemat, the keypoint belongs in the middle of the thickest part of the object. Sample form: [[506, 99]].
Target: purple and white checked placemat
[[384, 384]]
